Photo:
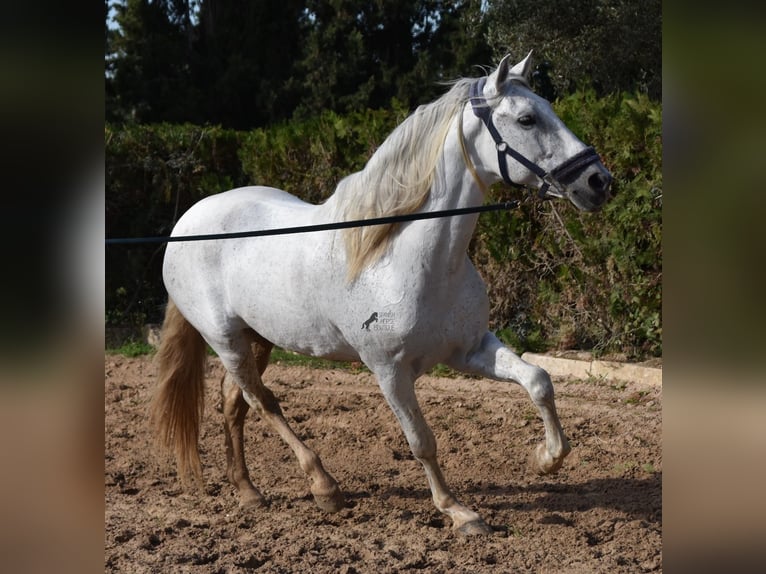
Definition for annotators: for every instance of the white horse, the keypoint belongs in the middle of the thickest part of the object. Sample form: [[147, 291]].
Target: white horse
[[311, 292]]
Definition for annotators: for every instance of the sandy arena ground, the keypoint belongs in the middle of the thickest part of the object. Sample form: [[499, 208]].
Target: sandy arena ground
[[601, 513]]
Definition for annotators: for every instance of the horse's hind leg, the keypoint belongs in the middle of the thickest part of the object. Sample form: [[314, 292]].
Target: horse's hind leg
[[242, 365], [235, 409]]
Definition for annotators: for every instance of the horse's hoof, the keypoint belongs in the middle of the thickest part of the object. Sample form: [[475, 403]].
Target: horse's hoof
[[541, 462], [333, 502], [252, 500], [475, 528]]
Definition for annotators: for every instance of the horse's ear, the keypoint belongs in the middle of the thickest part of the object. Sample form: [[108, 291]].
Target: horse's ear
[[497, 78], [524, 67]]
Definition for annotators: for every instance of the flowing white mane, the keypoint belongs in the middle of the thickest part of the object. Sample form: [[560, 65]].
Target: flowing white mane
[[397, 178]]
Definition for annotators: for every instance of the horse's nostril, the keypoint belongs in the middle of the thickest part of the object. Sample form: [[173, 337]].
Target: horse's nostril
[[599, 181]]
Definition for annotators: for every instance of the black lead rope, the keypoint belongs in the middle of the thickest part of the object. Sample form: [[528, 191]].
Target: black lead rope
[[505, 206]]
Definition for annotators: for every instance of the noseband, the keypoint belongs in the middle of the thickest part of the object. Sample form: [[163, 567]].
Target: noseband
[[555, 177]]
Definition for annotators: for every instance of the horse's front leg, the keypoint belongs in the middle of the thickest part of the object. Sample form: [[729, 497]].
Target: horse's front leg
[[494, 360], [399, 391]]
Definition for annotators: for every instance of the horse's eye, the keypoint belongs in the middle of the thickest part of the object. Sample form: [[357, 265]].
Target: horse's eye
[[527, 121]]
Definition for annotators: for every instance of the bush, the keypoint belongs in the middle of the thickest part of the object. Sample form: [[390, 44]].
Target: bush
[[309, 157], [153, 174]]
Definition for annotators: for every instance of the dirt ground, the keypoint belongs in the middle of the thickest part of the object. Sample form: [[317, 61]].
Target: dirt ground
[[601, 513]]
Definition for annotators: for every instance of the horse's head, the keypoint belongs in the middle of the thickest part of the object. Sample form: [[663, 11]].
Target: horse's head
[[530, 145]]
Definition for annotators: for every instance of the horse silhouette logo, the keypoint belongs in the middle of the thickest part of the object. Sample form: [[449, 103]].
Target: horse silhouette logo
[[373, 318]]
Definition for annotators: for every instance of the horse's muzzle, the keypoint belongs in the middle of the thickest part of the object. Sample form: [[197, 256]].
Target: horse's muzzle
[[590, 189]]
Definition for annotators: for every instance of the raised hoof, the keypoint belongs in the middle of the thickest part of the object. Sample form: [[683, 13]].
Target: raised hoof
[[543, 463], [333, 502], [475, 528]]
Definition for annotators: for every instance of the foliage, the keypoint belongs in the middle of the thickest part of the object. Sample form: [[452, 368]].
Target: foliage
[[558, 278], [309, 157], [227, 63], [154, 174], [144, 77], [242, 64], [133, 348], [244, 53], [609, 45], [359, 54]]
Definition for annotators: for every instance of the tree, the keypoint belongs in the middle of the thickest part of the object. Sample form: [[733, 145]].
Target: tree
[[360, 54], [247, 52], [349, 47], [245, 64], [611, 45], [227, 63], [151, 65], [453, 46]]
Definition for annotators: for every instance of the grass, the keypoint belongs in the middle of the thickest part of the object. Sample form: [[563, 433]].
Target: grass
[[134, 348], [623, 467], [448, 373], [280, 356]]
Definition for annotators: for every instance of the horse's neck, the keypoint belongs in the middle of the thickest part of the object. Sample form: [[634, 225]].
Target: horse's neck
[[454, 187]]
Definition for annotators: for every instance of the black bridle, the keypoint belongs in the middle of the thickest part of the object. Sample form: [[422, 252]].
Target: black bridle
[[555, 177]]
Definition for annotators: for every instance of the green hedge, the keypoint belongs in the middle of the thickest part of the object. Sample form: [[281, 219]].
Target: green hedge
[[308, 158], [557, 278], [153, 174]]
